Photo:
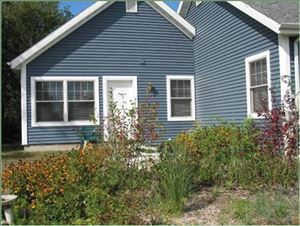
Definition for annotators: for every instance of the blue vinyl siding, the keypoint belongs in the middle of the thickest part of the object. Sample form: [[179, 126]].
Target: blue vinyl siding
[[115, 43], [224, 37]]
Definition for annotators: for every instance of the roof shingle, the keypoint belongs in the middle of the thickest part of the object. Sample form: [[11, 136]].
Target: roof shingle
[[282, 11]]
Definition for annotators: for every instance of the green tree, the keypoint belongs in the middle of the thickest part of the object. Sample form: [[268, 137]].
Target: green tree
[[23, 25]]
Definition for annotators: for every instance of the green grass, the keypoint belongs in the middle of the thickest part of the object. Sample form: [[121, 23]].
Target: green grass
[[15, 156], [276, 207]]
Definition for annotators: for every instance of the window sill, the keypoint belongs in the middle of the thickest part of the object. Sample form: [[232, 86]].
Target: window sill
[[178, 119], [255, 116], [53, 124]]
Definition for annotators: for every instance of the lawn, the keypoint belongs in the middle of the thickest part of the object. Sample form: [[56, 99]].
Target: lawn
[[223, 206]]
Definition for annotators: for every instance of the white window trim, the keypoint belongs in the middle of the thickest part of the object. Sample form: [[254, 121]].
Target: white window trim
[[64, 79], [105, 80], [180, 77], [248, 60]]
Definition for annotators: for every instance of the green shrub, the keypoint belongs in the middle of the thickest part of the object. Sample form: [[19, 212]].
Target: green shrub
[[175, 175], [230, 155], [84, 186]]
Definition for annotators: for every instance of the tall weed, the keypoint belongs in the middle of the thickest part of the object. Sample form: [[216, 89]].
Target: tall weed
[[176, 176]]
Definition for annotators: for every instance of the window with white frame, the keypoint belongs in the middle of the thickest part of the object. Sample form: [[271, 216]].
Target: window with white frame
[[81, 101], [258, 83], [49, 101], [59, 101], [180, 97]]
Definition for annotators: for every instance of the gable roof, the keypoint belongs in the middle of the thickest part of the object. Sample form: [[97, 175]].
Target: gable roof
[[283, 12], [54, 37], [279, 16]]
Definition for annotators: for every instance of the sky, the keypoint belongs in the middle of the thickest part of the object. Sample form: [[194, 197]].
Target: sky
[[78, 6]]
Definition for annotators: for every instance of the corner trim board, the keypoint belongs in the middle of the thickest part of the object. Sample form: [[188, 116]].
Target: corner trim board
[[284, 64], [24, 105], [297, 75]]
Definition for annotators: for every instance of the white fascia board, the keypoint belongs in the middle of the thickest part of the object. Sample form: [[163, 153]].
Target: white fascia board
[[183, 8], [178, 21], [59, 34], [263, 19]]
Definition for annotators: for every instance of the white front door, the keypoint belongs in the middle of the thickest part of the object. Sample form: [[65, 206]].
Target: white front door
[[121, 93], [121, 90]]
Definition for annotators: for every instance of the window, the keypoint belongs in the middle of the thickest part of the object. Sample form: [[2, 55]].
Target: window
[[80, 100], [180, 97], [49, 101], [62, 101], [258, 85]]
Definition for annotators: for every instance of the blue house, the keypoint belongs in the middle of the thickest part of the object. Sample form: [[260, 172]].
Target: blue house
[[211, 59]]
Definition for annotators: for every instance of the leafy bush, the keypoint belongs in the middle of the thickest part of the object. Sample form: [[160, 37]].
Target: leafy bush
[[279, 129], [230, 155], [128, 129], [83, 186]]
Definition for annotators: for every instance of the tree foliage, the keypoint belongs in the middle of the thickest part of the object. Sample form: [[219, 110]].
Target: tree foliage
[[23, 25]]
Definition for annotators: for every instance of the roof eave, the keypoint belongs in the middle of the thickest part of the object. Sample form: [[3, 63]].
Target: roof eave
[[59, 34], [289, 29], [174, 18], [86, 15]]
